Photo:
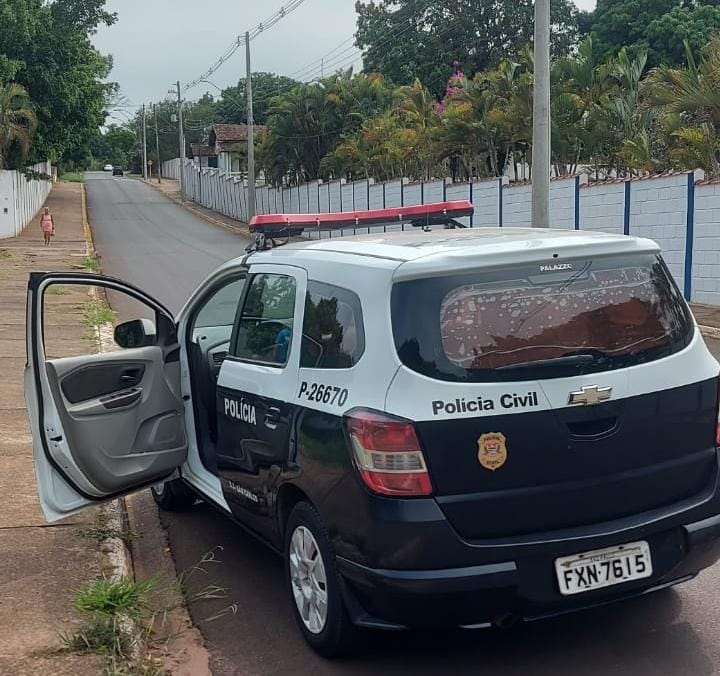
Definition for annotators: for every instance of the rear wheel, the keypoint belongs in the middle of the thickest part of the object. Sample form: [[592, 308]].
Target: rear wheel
[[173, 495], [314, 584]]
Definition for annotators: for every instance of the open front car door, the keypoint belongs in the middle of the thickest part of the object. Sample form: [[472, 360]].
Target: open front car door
[[106, 423]]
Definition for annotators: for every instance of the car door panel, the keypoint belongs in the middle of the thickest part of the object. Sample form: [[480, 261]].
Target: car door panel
[[142, 419], [107, 423]]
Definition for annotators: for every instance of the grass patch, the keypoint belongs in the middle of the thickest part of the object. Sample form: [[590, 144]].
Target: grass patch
[[5, 254], [106, 607], [57, 290], [96, 313], [90, 263], [73, 177], [102, 529]]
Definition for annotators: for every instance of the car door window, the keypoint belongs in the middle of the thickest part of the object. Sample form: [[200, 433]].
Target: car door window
[[265, 330], [333, 335]]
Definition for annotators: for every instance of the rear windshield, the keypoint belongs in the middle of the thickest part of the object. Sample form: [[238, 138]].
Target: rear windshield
[[540, 321]]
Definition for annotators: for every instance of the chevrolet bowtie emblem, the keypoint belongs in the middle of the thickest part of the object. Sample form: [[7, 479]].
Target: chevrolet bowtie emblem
[[589, 396]]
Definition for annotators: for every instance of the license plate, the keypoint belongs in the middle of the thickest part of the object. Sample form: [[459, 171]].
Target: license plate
[[603, 568]]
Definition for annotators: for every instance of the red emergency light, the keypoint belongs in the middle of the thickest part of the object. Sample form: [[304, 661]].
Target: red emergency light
[[422, 214]]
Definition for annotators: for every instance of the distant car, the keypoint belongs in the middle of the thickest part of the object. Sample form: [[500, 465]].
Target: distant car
[[117, 171], [108, 167]]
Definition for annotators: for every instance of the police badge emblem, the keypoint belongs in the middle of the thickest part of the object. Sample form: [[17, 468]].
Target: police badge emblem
[[492, 451]]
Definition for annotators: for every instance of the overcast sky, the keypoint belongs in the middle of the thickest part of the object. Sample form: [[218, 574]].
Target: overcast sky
[[157, 42]]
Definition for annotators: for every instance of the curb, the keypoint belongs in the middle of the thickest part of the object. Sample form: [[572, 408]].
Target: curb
[[710, 331], [117, 561], [214, 221]]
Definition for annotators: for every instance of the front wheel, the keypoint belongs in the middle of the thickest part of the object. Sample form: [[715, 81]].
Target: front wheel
[[314, 584], [173, 495]]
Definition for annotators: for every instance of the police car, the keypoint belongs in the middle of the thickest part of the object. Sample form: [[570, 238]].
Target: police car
[[433, 425]]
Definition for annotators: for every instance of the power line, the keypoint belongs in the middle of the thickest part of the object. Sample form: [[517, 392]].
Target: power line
[[240, 41]]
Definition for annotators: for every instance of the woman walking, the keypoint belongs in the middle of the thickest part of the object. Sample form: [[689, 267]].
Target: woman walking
[[48, 225]]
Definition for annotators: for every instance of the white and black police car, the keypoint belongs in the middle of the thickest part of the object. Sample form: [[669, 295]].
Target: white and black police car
[[436, 426]]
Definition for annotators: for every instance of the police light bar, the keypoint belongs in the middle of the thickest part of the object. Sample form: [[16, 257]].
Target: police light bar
[[422, 214]]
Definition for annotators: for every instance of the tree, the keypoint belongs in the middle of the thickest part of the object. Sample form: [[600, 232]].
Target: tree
[[657, 27], [17, 123], [116, 146], [690, 97], [409, 39], [46, 48], [232, 106]]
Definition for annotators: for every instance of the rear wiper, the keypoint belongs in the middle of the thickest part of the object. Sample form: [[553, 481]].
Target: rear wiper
[[556, 362]]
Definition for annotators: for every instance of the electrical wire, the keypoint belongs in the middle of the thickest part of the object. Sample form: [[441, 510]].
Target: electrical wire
[[240, 41]]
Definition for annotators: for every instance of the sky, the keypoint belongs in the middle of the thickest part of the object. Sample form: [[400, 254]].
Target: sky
[[157, 42]]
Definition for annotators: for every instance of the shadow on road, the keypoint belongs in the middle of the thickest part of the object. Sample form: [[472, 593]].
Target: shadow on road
[[645, 636]]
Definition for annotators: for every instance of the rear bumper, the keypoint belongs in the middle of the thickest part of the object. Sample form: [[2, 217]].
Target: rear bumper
[[523, 588]]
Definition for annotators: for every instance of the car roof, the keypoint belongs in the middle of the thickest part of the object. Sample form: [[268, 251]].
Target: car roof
[[416, 252]]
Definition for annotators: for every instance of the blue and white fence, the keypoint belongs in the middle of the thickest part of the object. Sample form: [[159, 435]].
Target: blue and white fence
[[679, 210]]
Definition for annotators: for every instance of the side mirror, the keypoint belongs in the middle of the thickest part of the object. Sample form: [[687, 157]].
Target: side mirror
[[136, 333]]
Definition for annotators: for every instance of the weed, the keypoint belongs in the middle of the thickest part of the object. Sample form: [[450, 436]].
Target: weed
[[90, 263], [101, 530], [4, 253], [99, 635], [125, 597], [96, 313], [57, 290], [73, 177]]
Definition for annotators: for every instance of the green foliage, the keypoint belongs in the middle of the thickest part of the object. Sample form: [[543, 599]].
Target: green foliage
[[17, 124], [111, 599], [409, 39], [46, 48], [72, 177], [90, 263], [115, 146], [232, 106], [96, 313], [656, 27]]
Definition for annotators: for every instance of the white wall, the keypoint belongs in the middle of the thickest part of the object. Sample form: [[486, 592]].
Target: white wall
[[659, 208], [20, 199]]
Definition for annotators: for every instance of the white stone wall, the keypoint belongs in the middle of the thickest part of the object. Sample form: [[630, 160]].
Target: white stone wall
[[706, 244], [486, 197], [412, 194], [658, 211], [20, 199], [562, 203], [602, 207], [393, 193], [516, 205]]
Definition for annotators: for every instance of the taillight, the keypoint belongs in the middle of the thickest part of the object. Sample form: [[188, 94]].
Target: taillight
[[388, 454]]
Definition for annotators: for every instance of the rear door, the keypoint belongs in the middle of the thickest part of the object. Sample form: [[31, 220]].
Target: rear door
[[256, 384], [103, 423], [556, 395]]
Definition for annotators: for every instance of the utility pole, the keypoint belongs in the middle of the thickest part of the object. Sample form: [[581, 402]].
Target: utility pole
[[322, 68], [181, 144], [144, 148], [157, 145], [250, 130], [541, 118]]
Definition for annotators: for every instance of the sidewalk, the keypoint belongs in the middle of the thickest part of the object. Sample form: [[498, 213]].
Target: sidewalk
[[41, 564], [171, 188]]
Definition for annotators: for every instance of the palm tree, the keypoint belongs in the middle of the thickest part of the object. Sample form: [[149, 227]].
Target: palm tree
[[690, 97], [17, 121]]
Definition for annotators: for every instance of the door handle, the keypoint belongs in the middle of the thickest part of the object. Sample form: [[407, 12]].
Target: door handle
[[272, 417], [131, 376]]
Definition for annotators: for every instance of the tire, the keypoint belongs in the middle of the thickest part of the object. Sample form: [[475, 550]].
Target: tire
[[335, 635], [173, 495]]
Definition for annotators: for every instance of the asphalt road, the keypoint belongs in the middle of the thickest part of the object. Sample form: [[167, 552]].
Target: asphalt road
[[146, 239]]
